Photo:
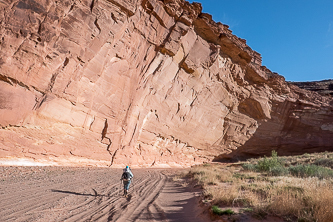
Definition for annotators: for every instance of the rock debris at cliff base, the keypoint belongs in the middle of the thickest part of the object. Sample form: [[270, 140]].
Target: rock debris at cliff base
[[146, 83]]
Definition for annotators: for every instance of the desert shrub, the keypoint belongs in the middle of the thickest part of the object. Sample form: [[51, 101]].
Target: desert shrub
[[228, 212], [218, 211], [326, 162], [311, 171], [272, 165], [249, 167], [275, 166], [279, 170], [264, 164], [305, 197]]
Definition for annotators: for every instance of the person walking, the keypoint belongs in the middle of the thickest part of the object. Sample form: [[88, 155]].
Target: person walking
[[126, 177]]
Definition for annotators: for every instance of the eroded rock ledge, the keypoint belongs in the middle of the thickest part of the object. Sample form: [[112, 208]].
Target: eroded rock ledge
[[147, 83], [324, 87]]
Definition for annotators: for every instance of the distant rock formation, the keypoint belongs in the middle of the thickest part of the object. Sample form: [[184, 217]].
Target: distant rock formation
[[324, 87], [143, 82]]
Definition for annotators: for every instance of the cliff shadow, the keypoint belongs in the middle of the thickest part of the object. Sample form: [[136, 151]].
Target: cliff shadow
[[293, 129]]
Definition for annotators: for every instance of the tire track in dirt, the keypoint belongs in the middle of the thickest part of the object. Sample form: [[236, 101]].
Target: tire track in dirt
[[80, 194], [122, 206], [38, 194]]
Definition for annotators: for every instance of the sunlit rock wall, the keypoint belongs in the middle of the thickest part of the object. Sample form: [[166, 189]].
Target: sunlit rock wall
[[146, 83]]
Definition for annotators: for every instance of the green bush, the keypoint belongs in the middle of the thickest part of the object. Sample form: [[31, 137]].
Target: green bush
[[311, 171], [273, 165], [279, 170], [218, 211], [267, 164], [228, 212], [249, 167]]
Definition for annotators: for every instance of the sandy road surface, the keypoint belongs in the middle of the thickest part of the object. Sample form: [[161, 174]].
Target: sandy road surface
[[92, 194]]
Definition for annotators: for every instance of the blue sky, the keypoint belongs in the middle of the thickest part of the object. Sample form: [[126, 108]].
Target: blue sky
[[294, 37]]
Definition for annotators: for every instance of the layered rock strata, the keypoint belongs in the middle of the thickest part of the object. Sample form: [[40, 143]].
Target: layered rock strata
[[143, 82], [324, 87]]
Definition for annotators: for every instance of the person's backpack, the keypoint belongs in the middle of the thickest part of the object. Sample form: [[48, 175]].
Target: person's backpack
[[126, 176]]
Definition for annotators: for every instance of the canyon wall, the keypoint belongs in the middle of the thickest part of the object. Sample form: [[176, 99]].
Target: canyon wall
[[144, 83], [324, 87]]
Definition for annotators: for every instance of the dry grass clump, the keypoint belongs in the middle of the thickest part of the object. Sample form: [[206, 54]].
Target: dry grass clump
[[323, 204], [290, 197], [305, 199], [208, 174], [225, 194]]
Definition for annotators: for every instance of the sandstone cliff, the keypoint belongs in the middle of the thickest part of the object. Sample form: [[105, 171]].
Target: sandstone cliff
[[324, 87], [143, 82]]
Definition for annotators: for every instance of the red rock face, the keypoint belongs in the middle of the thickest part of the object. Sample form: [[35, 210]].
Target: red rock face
[[146, 83]]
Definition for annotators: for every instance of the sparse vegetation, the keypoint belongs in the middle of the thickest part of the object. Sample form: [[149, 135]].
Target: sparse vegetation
[[219, 211], [280, 166], [326, 162], [311, 171], [296, 188]]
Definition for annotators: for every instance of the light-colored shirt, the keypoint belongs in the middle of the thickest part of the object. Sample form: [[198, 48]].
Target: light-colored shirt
[[129, 170]]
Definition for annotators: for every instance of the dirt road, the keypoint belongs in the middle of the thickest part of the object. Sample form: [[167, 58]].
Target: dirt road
[[93, 194]]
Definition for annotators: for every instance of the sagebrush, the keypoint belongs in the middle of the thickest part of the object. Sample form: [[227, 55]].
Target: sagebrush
[[281, 186]]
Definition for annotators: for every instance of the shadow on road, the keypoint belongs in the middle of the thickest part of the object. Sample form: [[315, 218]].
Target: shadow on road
[[179, 203], [81, 194]]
